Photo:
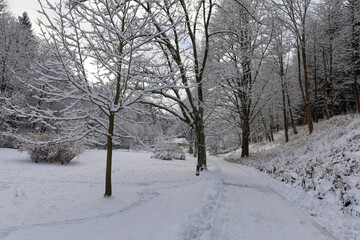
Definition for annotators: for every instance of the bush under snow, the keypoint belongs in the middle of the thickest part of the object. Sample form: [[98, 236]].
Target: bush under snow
[[169, 151], [43, 149], [326, 163]]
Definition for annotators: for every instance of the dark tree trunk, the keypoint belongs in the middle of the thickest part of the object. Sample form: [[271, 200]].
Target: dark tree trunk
[[286, 125], [201, 147], [354, 57], [245, 139], [325, 87], [290, 110], [201, 158], [316, 110], [356, 89], [191, 142], [195, 147], [307, 88], [109, 156], [267, 135], [282, 78], [245, 99], [331, 84]]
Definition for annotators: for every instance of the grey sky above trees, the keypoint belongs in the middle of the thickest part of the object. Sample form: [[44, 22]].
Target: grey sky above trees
[[17, 7]]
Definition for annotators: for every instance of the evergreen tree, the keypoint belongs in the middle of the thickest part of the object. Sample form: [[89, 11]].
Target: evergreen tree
[[24, 20]]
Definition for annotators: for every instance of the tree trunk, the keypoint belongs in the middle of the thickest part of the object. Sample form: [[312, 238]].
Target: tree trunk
[[331, 84], [282, 78], [356, 89], [201, 147], [245, 139], [307, 88], [267, 135], [290, 110], [195, 147], [316, 110], [354, 58], [191, 142], [272, 134], [325, 87], [285, 116], [109, 156], [299, 72]]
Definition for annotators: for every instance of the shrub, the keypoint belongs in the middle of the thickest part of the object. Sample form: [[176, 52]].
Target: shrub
[[43, 149], [169, 151], [7, 142]]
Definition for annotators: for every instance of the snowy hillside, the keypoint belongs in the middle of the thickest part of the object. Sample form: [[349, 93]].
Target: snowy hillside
[[326, 164]]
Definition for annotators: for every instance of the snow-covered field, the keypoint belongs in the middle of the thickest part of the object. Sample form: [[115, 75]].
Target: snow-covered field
[[152, 199]]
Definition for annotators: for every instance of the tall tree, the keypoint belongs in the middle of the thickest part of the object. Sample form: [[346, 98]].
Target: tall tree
[[296, 12], [354, 9], [280, 50], [185, 50], [17, 51], [240, 51], [100, 48]]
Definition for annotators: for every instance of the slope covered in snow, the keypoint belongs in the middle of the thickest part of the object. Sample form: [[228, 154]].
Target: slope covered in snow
[[325, 164]]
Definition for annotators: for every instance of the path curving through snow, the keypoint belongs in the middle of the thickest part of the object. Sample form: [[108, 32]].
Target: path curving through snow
[[250, 209]]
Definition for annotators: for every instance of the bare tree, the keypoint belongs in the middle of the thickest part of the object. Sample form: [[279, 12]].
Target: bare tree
[[296, 21], [354, 7], [241, 49], [99, 50], [185, 50]]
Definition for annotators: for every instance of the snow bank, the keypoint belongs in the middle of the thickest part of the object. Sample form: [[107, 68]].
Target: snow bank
[[325, 164]]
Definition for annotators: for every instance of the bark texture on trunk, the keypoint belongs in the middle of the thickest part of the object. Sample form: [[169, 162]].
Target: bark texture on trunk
[[307, 89], [357, 97], [191, 142], [325, 87], [245, 141], [195, 147], [201, 147], [316, 108], [283, 86], [108, 188], [355, 58], [290, 110], [331, 82]]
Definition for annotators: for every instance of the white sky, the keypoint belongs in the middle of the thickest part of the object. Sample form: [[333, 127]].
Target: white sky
[[17, 7]]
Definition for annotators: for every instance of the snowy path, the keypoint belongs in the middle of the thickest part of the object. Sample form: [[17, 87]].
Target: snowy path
[[153, 200], [250, 209]]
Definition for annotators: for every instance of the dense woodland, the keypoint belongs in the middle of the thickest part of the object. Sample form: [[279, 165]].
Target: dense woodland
[[220, 73]]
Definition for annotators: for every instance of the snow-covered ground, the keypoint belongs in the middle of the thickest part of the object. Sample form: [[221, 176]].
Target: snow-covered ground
[[325, 165], [152, 199]]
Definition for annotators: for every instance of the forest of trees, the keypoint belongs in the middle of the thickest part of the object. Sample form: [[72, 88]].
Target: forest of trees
[[221, 73]]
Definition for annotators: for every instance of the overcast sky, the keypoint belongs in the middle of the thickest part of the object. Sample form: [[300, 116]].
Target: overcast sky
[[17, 7]]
